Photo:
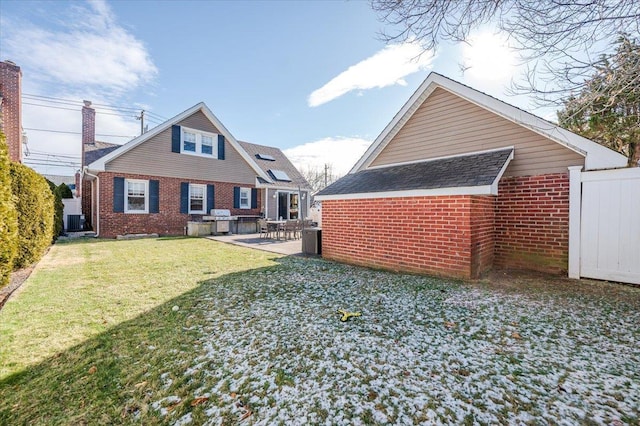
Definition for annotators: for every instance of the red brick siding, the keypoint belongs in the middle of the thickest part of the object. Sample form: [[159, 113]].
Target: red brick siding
[[532, 223], [482, 234], [417, 234], [169, 221], [11, 108]]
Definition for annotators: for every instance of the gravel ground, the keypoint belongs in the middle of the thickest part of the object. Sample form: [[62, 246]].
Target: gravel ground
[[424, 351]]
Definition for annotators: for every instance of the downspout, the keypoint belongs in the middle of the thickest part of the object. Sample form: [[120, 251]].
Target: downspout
[[97, 195]]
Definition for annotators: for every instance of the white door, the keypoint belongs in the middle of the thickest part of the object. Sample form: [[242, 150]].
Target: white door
[[610, 225]]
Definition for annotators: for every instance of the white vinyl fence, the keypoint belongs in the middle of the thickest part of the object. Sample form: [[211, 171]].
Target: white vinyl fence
[[610, 225]]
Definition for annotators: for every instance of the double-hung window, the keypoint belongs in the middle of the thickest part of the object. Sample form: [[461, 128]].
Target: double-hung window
[[197, 198], [137, 196], [245, 198], [197, 142], [188, 141]]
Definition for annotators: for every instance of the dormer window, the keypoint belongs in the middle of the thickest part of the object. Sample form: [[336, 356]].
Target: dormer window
[[197, 142]]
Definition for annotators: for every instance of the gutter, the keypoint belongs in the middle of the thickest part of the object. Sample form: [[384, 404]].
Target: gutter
[[97, 199]]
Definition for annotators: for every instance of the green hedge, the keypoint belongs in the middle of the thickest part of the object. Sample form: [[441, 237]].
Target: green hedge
[[8, 217], [58, 210], [34, 203]]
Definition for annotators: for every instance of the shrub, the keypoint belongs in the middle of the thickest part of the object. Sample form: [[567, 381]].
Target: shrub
[[8, 217], [64, 191], [34, 205], [58, 211]]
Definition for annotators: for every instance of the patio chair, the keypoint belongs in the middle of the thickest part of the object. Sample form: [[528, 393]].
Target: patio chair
[[290, 229], [263, 228]]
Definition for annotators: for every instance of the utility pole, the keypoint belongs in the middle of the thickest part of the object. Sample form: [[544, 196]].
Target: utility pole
[[141, 118], [326, 167]]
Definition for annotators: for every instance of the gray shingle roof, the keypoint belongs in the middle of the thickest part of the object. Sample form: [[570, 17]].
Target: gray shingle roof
[[460, 171], [97, 150], [281, 163]]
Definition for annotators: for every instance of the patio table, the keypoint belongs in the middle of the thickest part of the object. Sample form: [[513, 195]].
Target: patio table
[[277, 224]]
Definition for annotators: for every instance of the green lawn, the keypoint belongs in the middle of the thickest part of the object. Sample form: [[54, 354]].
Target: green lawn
[[179, 331]]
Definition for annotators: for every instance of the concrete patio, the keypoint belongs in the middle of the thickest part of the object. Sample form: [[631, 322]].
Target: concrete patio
[[286, 247]]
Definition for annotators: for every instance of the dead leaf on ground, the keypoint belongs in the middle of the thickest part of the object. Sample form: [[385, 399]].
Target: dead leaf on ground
[[516, 335], [140, 385], [246, 415], [449, 324], [93, 369], [199, 400], [233, 395]]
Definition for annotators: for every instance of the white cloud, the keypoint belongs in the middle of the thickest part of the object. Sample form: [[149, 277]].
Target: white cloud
[[82, 53], [341, 153], [387, 67], [90, 49]]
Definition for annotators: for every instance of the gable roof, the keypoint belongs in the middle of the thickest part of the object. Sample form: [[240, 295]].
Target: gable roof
[[99, 164], [469, 174], [596, 155], [279, 162]]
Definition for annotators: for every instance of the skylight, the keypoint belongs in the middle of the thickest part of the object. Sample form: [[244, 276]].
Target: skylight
[[280, 175], [265, 157]]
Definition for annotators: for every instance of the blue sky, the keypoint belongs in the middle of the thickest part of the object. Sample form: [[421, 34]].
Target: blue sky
[[312, 78]]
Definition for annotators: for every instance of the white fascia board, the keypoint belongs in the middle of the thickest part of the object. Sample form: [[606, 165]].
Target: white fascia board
[[234, 142], [395, 125], [99, 165], [462, 190], [496, 181], [597, 156]]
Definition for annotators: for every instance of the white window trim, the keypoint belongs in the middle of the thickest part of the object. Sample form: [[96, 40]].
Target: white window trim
[[204, 198], [248, 192], [199, 134], [126, 196]]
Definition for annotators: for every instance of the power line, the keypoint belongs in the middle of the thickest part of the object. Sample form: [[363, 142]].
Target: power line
[[76, 133], [49, 106], [72, 102]]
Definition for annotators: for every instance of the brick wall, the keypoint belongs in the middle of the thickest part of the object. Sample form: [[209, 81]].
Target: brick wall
[[532, 223], [169, 221], [11, 108], [482, 234], [431, 235]]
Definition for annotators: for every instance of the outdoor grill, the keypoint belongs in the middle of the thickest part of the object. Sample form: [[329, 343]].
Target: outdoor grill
[[221, 219]]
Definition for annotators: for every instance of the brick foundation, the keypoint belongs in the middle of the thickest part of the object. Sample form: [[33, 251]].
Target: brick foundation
[[169, 221], [532, 223], [433, 235]]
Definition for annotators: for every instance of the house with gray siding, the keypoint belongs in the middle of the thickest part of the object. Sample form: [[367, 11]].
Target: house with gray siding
[[174, 174]]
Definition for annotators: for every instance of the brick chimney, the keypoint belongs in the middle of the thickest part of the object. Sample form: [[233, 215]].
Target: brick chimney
[[88, 127], [11, 108]]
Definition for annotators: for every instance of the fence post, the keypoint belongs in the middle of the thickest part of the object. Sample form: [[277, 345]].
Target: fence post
[[575, 201]]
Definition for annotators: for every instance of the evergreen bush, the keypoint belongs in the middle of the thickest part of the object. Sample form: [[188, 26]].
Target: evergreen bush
[[8, 217], [34, 204], [58, 211], [64, 190]]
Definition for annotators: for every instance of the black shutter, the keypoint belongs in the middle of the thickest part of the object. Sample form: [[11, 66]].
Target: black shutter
[[175, 138], [210, 198], [220, 147], [118, 195], [236, 197], [184, 197], [154, 196], [254, 198]]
